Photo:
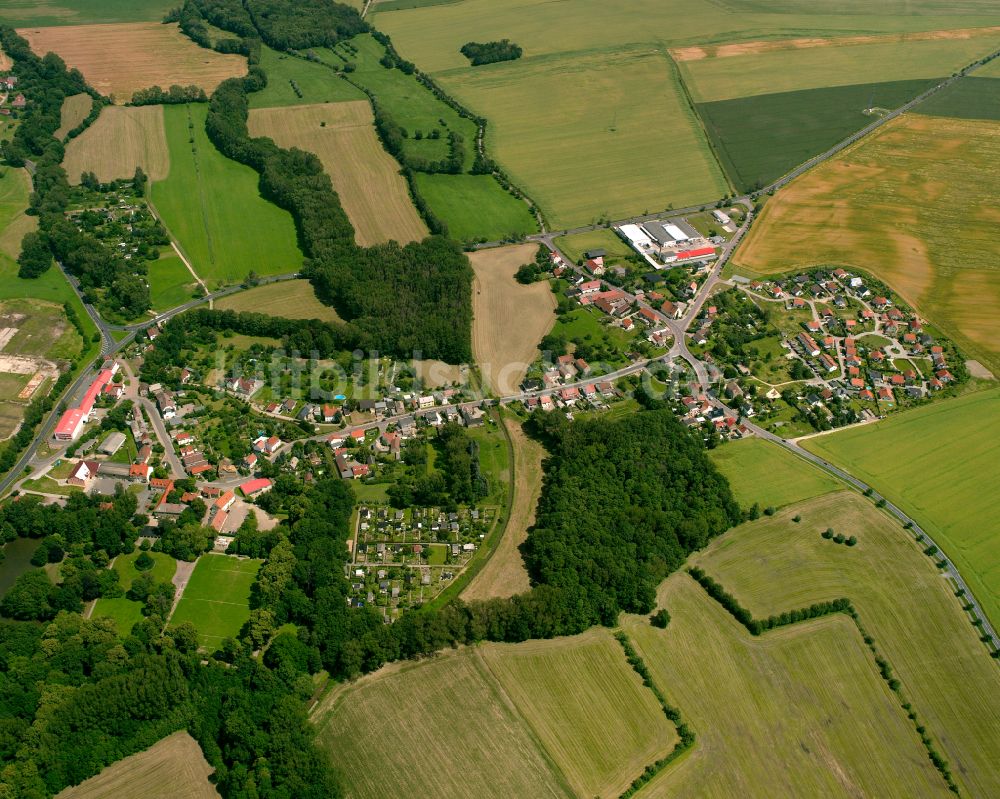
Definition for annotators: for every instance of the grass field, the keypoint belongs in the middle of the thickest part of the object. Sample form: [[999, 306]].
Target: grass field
[[773, 67], [120, 59], [170, 282], [174, 768], [74, 110], [213, 208], [774, 564], [548, 718], [42, 329], [969, 98], [904, 204], [291, 299], [216, 597], [15, 185], [504, 573], [120, 140], [475, 206], [760, 138], [938, 463], [800, 711], [409, 103], [124, 611], [580, 161], [574, 246], [316, 82], [372, 191], [80, 12], [762, 472], [509, 319]]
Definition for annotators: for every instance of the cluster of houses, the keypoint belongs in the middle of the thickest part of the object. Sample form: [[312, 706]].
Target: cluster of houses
[[697, 411], [10, 99]]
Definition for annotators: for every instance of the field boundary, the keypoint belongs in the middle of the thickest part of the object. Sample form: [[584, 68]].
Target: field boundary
[[757, 627]]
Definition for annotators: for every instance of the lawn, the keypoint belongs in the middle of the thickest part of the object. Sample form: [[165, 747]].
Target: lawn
[[582, 161], [798, 712], [290, 299], [409, 102], [316, 82], [546, 718], [775, 564], [906, 205], [494, 460], [938, 463], [437, 554], [124, 611], [170, 282], [762, 472], [370, 492], [367, 179], [213, 208], [574, 246], [761, 138], [475, 207], [216, 598]]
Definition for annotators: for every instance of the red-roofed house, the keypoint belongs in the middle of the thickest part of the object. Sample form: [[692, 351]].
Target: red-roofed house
[[225, 501], [70, 425], [259, 485]]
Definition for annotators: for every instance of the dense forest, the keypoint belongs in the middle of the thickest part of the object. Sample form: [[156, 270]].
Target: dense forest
[[480, 53], [296, 24]]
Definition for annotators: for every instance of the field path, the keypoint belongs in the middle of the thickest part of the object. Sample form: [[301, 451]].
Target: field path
[[180, 581], [187, 263], [504, 574]]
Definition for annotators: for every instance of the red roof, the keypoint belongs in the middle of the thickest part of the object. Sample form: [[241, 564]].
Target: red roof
[[253, 486], [701, 252], [103, 378], [219, 520], [225, 499], [68, 422]]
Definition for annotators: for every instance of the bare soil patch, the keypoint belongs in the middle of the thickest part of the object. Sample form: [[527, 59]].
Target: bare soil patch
[[174, 768], [509, 318], [120, 59], [120, 140], [504, 574], [374, 194], [696, 53]]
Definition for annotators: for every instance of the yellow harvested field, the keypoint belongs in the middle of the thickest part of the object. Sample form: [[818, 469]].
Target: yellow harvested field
[[74, 111], [733, 49], [438, 374], [174, 768], [290, 299], [510, 319], [906, 204], [120, 140], [120, 59], [5, 62], [504, 573], [372, 191]]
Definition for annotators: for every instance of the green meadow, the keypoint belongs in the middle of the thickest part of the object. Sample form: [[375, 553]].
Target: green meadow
[[475, 206], [316, 82], [216, 599], [32, 13], [123, 610], [170, 282], [941, 464], [213, 208]]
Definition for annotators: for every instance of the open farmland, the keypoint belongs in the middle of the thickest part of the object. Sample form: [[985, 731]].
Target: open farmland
[[74, 110], [775, 564], [213, 208], [119, 141], [906, 205], [580, 161], [373, 193], [20, 13], [316, 82], [173, 768], [976, 97], [547, 718], [762, 472], [728, 72], [504, 573], [475, 206], [216, 598], [291, 299], [121, 59], [509, 319], [940, 464], [800, 711]]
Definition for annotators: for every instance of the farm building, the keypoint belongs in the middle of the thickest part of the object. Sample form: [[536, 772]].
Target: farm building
[[112, 443]]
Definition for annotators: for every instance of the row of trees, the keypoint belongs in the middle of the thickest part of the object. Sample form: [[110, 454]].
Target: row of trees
[[192, 23]]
